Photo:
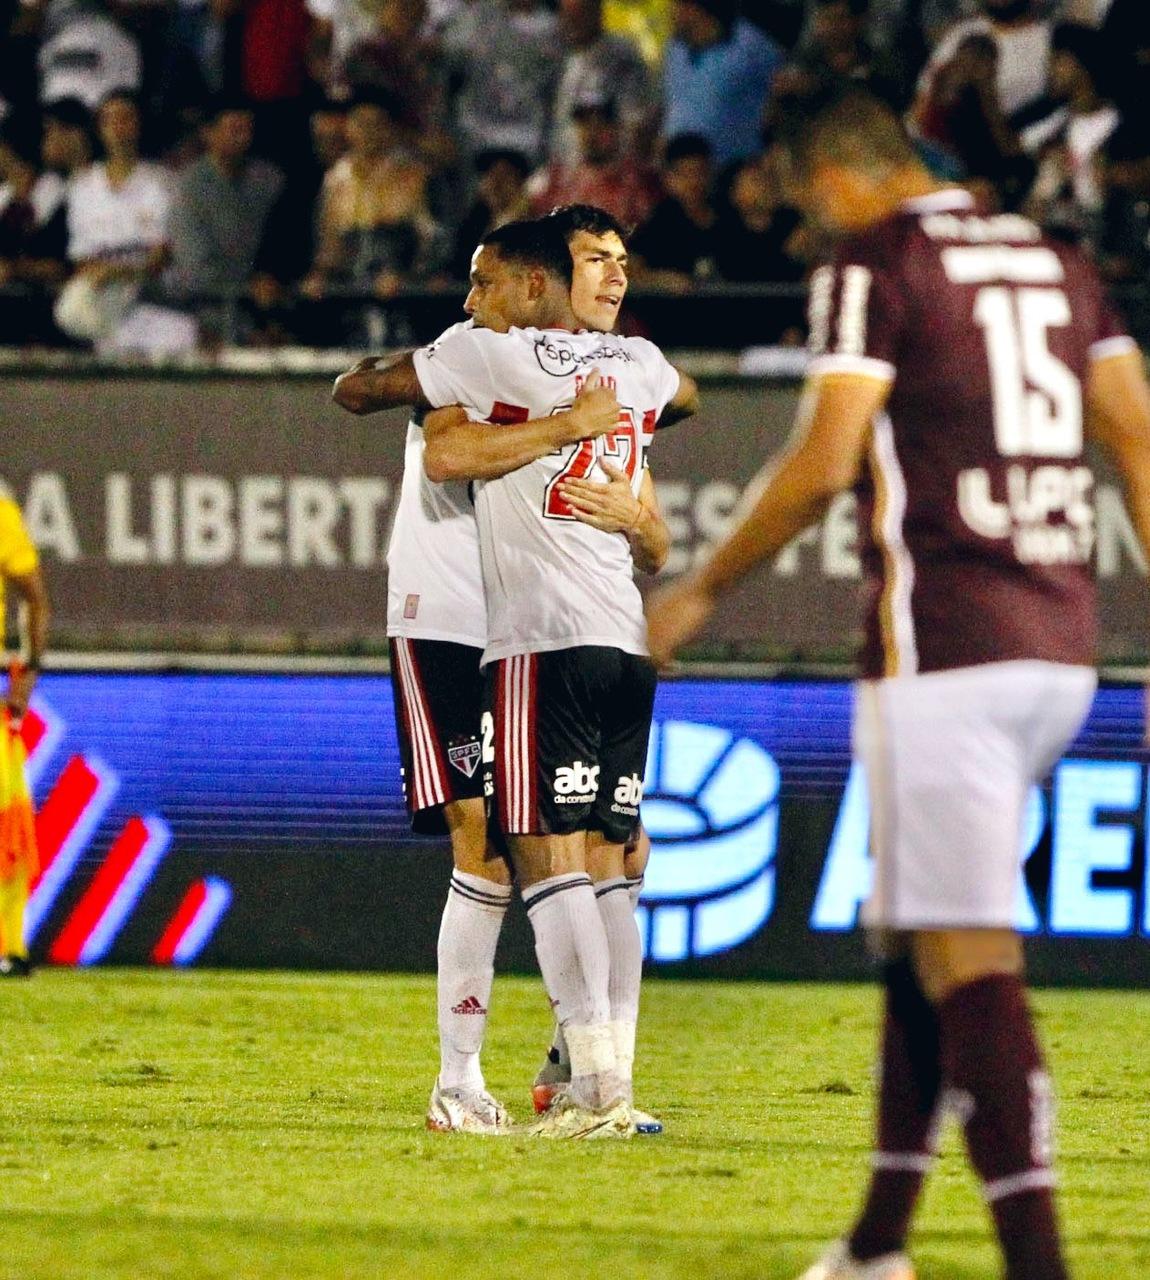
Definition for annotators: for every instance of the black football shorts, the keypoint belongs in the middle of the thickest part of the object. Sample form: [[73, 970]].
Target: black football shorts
[[569, 734], [438, 690]]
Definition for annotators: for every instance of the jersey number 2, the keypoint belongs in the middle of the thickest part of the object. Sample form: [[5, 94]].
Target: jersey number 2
[[1037, 398], [620, 446]]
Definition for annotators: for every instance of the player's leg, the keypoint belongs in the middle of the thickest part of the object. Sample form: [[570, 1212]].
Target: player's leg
[[991, 1055], [949, 760], [545, 782], [18, 859], [438, 701], [627, 697], [477, 901], [555, 1072]]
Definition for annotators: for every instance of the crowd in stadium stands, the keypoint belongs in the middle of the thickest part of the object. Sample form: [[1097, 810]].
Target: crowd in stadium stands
[[160, 156]]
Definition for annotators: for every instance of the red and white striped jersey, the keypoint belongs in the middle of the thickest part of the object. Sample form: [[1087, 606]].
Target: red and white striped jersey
[[553, 582], [434, 578]]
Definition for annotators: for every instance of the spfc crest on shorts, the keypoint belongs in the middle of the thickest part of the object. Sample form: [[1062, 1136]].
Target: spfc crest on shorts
[[464, 756]]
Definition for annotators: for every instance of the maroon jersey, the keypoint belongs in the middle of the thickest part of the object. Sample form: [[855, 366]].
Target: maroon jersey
[[975, 507]]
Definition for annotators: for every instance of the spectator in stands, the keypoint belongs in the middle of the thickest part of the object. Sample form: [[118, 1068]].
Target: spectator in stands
[[33, 239], [598, 65], [1068, 193], [501, 196], [1023, 43], [1123, 249], [267, 60], [395, 58], [119, 243], [717, 74], [85, 54], [505, 56], [376, 233], [835, 47], [756, 237], [675, 248], [67, 144], [958, 119], [291, 240], [220, 211], [604, 175]]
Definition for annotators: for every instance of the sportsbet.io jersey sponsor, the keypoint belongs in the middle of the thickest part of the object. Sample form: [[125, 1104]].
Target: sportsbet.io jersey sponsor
[[553, 582]]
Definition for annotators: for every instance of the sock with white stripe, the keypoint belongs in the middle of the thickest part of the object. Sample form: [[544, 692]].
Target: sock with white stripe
[[468, 936], [571, 945], [910, 1086], [558, 1052], [626, 950], [991, 1059]]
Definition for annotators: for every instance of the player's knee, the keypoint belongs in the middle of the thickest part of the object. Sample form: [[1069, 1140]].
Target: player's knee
[[636, 854], [948, 959]]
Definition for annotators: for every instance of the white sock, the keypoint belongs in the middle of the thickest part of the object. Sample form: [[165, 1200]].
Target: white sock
[[468, 935], [559, 1040], [625, 947], [572, 948]]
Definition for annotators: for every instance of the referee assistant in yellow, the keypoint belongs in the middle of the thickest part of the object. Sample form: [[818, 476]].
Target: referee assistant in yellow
[[19, 861]]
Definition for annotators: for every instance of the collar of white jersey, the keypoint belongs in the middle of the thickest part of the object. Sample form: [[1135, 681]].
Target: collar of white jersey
[[945, 201]]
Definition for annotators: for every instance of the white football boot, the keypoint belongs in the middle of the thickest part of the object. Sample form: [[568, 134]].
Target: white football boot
[[466, 1111], [552, 1082], [837, 1264], [565, 1119]]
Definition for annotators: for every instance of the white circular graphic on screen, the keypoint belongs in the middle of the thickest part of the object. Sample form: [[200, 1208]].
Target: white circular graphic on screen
[[711, 809]]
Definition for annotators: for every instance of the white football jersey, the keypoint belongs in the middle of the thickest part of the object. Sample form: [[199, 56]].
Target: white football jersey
[[553, 582], [434, 577]]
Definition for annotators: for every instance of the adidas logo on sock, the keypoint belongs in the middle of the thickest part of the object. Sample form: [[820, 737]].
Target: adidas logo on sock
[[470, 1005]]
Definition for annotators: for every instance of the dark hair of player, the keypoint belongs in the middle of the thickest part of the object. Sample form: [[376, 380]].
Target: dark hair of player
[[536, 242], [587, 217], [847, 126]]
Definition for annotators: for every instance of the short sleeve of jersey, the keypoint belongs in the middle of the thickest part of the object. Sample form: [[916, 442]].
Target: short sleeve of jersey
[[663, 374], [856, 312], [455, 369], [18, 555]]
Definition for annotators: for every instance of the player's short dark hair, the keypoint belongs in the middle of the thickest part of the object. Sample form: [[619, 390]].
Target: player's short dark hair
[[534, 242], [847, 125], [687, 146], [587, 217]]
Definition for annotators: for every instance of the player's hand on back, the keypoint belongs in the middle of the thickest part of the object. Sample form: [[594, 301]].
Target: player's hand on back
[[595, 411], [611, 507]]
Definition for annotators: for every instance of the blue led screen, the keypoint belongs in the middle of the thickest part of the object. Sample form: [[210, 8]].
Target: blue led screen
[[279, 801]]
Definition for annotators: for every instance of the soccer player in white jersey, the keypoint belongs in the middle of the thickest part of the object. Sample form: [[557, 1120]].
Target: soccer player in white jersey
[[437, 621], [569, 682]]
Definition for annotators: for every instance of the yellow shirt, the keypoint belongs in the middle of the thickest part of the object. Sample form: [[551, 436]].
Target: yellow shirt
[[18, 556]]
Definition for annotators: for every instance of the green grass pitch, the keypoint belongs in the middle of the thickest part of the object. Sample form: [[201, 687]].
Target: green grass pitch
[[194, 1125]]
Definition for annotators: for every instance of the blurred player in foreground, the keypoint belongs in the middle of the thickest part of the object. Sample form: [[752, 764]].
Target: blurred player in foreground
[[568, 677], [956, 360], [19, 862]]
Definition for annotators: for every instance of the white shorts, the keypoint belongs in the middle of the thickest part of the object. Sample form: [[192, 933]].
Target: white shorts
[[950, 758]]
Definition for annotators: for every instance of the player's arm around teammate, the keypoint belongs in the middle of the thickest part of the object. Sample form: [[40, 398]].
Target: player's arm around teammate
[[459, 449]]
